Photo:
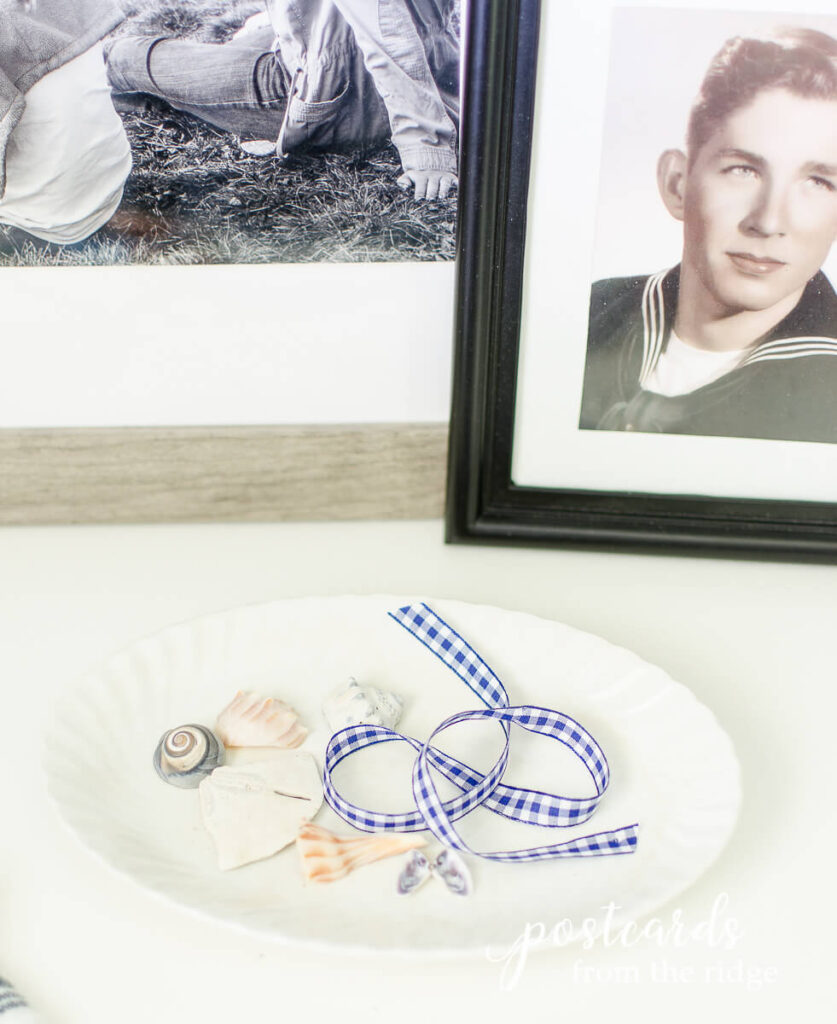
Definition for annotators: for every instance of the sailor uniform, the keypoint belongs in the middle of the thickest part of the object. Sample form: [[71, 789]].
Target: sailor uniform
[[785, 387]]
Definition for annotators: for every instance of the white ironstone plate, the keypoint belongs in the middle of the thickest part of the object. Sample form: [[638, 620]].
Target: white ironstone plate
[[673, 770]]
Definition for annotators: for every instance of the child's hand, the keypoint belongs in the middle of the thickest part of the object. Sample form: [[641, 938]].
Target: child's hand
[[428, 184]]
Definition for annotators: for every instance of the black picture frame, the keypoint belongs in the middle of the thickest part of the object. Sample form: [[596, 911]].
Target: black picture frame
[[483, 504]]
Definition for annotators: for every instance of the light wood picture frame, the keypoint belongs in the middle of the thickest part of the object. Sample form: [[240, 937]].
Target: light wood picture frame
[[223, 474]]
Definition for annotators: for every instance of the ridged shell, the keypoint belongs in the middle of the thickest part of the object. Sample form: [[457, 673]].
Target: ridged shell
[[327, 857], [250, 720], [357, 704], [186, 755]]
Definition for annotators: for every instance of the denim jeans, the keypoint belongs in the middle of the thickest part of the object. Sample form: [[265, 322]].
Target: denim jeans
[[238, 86], [328, 75]]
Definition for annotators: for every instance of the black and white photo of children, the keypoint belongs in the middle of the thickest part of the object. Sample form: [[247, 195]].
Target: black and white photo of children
[[177, 132]]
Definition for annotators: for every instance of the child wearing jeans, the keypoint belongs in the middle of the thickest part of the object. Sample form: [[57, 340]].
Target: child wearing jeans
[[319, 75]]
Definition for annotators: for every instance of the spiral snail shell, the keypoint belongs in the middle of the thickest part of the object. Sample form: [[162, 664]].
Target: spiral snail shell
[[187, 754]]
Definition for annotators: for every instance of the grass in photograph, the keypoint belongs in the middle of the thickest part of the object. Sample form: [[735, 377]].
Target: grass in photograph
[[195, 197]]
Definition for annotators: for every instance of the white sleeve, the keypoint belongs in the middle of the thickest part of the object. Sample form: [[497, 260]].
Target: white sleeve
[[393, 53]]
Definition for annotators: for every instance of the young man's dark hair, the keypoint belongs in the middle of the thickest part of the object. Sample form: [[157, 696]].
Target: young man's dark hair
[[800, 60]]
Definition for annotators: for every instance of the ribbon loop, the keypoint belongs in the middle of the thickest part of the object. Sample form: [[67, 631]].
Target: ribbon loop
[[476, 788]]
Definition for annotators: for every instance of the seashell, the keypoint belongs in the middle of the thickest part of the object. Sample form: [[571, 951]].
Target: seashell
[[187, 754], [453, 871], [448, 866], [327, 857], [259, 147], [253, 24], [250, 720], [414, 874], [354, 704], [252, 811]]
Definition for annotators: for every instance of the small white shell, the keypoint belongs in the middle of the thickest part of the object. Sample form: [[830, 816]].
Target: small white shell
[[414, 874], [327, 857], [250, 720], [186, 755], [451, 868], [448, 866], [354, 704], [252, 811], [260, 147], [252, 24]]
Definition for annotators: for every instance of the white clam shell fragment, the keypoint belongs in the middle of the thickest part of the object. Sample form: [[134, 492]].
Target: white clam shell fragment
[[251, 720], [259, 147], [187, 754], [414, 873], [357, 704], [253, 24], [327, 857], [252, 811]]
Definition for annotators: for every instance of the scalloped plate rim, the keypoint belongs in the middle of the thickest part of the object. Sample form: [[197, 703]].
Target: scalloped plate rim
[[322, 943]]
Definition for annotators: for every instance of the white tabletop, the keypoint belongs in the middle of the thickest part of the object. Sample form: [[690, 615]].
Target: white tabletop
[[756, 642]]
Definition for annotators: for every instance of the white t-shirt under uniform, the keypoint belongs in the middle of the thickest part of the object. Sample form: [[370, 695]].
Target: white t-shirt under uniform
[[683, 368], [68, 157]]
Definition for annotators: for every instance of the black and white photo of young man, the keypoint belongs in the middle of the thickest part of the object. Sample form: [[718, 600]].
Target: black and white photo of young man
[[740, 338]]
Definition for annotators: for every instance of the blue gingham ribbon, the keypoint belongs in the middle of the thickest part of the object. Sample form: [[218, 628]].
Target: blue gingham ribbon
[[13, 1007], [477, 789]]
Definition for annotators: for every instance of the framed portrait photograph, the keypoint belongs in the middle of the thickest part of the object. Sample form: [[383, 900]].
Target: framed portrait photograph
[[223, 216], [647, 322]]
